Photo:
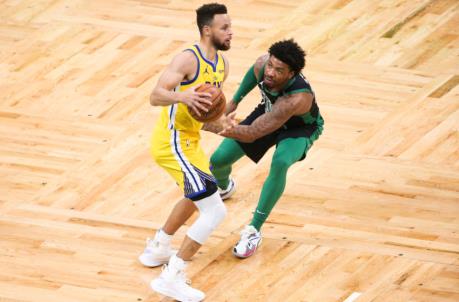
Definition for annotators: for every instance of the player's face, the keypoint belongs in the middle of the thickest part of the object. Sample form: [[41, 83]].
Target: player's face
[[277, 73], [220, 32]]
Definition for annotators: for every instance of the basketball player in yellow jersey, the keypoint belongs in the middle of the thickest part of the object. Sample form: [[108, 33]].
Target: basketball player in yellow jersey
[[175, 147]]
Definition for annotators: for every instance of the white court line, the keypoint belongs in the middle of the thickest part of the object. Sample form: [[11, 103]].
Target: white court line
[[353, 297]]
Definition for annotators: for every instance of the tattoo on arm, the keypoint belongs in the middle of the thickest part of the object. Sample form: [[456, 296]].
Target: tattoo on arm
[[214, 127], [283, 109]]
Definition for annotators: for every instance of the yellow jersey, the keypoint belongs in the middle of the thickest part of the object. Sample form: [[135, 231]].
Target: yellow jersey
[[175, 141], [176, 116]]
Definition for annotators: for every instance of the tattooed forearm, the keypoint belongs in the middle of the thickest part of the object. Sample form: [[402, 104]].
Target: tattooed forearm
[[282, 110], [265, 124], [214, 127], [242, 133]]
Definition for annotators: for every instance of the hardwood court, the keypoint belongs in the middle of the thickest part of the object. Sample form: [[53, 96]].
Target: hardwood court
[[372, 214]]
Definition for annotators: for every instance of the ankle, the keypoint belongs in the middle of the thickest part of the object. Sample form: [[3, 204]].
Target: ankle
[[176, 263], [162, 237], [255, 226]]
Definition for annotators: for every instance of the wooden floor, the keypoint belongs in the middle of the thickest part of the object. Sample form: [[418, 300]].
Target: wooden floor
[[372, 214]]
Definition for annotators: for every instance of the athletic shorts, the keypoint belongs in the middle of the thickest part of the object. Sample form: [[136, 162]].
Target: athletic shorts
[[257, 149], [180, 154]]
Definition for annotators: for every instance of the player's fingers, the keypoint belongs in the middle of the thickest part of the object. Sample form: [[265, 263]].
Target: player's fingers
[[195, 110], [201, 107], [204, 95], [232, 115], [204, 101]]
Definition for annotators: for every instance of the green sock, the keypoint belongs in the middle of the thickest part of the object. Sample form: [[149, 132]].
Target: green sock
[[222, 159], [288, 152]]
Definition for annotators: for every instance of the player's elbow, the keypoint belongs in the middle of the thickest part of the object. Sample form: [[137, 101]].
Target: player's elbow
[[154, 98]]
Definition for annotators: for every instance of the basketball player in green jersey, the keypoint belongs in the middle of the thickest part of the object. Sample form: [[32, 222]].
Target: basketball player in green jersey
[[287, 117]]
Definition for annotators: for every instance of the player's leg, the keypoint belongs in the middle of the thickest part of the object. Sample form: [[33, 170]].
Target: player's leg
[[221, 163], [288, 152], [199, 186], [158, 250], [179, 215], [172, 280]]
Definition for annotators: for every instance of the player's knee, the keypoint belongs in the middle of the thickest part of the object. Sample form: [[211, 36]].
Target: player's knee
[[280, 164], [212, 211], [219, 213]]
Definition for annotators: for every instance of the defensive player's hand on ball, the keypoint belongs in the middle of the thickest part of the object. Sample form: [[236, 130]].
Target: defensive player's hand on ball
[[196, 100]]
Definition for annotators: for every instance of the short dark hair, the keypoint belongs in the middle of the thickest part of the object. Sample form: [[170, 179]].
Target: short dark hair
[[205, 14], [289, 52]]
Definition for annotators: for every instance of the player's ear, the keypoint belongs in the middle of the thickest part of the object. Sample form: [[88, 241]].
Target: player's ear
[[206, 31]]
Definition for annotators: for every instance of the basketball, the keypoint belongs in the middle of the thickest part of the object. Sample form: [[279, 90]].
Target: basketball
[[216, 109]]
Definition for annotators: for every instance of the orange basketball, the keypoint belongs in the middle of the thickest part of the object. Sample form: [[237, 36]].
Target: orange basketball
[[218, 104]]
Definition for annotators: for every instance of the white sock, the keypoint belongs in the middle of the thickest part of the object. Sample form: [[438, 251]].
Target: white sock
[[162, 237], [177, 263]]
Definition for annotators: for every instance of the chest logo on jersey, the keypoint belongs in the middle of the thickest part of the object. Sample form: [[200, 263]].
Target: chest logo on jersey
[[215, 83], [266, 101]]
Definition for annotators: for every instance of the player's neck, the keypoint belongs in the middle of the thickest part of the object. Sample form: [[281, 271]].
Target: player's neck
[[208, 50]]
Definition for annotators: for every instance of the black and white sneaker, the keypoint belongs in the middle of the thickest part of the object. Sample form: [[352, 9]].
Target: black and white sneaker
[[229, 191]]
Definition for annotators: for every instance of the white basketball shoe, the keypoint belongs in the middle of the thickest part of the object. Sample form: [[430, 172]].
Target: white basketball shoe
[[172, 282], [157, 250], [249, 242]]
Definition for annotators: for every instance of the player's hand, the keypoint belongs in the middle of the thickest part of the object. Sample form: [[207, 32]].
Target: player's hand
[[228, 123], [196, 100]]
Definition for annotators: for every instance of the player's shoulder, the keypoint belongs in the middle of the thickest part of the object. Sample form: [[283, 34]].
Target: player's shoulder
[[223, 56], [259, 63], [225, 59], [300, 83], [185, 60], [261, 60], [186, 56]]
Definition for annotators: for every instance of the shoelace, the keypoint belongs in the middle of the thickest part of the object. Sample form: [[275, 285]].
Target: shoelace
[[180, 274], [151, 242], [245, 234]]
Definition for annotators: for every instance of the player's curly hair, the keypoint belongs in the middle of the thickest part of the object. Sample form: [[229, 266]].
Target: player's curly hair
[[289, 52], [205, 14]]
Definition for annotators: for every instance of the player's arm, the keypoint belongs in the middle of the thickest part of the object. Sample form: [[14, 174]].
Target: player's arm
[[182, 67], [225, 121], [284, 108], [249, 82]]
